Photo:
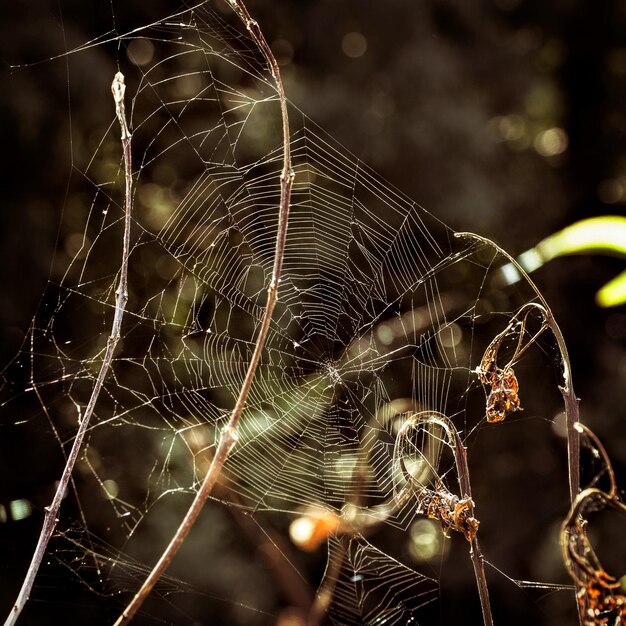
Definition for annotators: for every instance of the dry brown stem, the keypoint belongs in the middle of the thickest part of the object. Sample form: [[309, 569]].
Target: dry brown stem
[[570, 400], [454, 512], [599, 595], [229, 433], [121, 297]]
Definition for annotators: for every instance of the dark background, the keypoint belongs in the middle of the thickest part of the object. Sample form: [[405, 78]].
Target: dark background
[[428, 105]]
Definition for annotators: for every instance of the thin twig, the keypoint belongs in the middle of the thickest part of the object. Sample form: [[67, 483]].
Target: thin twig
[[570, 400], [276, 552], [462, 469], [324, 596], [229, 432], [121, 297], [454, 513], [460, 457]]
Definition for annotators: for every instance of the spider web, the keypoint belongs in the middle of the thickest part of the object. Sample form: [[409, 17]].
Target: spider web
[[382, 311]]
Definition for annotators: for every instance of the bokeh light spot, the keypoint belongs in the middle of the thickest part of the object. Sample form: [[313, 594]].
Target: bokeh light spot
[[20, 509], [283, 51], [427, 540], [551, 142], [140, 52], [610, 191], [111, 489], [354, 45]]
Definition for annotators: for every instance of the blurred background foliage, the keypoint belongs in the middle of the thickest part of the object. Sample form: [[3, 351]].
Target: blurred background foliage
[[502, 117]]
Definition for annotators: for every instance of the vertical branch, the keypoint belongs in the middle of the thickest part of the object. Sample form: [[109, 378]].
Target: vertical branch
[[229, 433], [121, 297], [570, 400], [460, 459]]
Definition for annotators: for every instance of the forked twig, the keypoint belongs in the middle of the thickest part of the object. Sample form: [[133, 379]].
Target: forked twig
[[229, 432], [570, 400], [454, 513], [121, 297]]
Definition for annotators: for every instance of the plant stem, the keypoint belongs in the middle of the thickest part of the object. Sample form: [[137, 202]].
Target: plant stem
[[465, 488], [475, 553], [570, 400], [121, 297], [324, 596], [462, 469], [229, 432]]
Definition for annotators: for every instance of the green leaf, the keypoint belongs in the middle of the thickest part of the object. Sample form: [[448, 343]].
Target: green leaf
[[613, 293], [606, 234]]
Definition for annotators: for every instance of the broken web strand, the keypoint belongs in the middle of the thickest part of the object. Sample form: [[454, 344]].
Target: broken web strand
[[229, 433], [567, 389], [121, 297]]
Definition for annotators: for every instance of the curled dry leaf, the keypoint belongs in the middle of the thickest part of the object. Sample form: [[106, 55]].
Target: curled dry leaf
[[437, 502], [503, 397], [600, 596], [453, 513]]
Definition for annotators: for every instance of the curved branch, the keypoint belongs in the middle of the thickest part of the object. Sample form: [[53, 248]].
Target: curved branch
[[463, 518], [567, 390], [229, 433], [51, 516]]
